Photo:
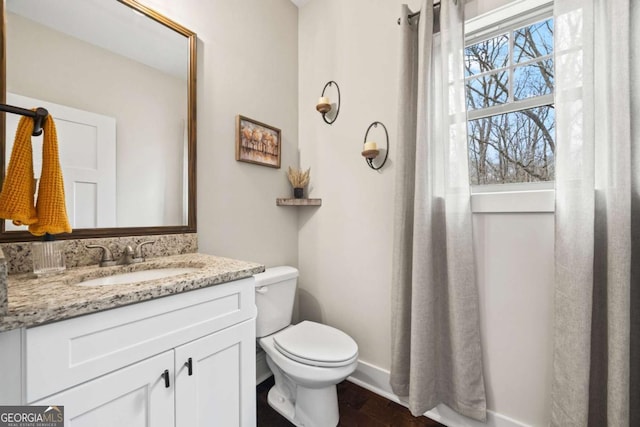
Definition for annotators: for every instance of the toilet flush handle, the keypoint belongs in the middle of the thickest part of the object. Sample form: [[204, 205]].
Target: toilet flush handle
[[262, 290]]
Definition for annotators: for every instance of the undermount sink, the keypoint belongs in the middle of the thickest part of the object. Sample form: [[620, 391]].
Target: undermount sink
[[137, 276]]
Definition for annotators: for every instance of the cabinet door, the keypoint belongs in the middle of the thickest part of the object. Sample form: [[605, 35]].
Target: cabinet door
[[221, 388], [135, 396]]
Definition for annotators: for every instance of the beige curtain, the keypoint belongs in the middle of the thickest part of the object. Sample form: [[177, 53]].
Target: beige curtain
[[596, 352], [436, 353]]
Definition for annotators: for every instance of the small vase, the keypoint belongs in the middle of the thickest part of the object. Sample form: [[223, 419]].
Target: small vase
[[298, 193]]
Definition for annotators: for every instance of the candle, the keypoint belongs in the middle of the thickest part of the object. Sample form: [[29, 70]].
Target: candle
[[370, 145], [324, 105]]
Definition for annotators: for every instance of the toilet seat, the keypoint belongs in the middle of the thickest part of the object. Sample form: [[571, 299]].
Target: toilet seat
[[315, 344]]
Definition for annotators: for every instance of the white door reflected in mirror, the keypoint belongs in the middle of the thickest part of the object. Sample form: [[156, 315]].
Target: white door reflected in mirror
[[87, 157]]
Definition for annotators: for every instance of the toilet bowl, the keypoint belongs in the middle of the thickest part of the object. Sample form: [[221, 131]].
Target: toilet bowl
[[307, 359]]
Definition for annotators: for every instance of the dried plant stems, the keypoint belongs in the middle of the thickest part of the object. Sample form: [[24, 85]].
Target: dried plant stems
[[297, 178]]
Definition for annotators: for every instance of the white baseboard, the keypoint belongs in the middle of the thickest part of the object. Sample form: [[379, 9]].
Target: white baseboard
[[376, 380]]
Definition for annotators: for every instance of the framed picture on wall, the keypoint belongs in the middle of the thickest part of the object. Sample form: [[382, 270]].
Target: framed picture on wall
[[257, 142]]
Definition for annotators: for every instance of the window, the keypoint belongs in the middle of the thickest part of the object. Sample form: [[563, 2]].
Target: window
[[509, 79]]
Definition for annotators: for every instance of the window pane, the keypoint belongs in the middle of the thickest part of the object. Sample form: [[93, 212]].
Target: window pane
[[487, 90], [487, 55], [533, 41], [512, 147], [533, 79]]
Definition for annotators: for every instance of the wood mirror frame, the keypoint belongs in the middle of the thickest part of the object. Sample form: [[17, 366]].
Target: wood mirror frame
[[85, 233]]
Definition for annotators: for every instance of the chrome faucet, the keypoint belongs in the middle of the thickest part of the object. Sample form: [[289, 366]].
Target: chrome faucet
[[129, 256]]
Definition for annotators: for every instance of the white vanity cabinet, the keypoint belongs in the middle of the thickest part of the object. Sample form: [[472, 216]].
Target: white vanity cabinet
[[185, 360]]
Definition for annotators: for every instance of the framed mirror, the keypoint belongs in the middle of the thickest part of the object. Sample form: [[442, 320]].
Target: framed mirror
[[119, 79]]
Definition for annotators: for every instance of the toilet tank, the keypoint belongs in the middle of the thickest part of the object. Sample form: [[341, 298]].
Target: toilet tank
[[275, 293]]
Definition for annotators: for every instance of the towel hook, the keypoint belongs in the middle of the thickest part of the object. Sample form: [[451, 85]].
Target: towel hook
[[38, 120]]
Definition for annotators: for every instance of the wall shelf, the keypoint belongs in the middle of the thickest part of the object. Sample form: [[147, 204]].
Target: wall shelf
[[299, 202]]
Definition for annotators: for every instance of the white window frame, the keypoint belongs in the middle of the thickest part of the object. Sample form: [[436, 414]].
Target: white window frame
[[521, 197]]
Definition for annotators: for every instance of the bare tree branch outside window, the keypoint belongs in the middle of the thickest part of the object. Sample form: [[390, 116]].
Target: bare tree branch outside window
[[516, 145]]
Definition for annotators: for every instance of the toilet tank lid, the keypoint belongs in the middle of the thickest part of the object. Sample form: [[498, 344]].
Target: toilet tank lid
[[275, 275]]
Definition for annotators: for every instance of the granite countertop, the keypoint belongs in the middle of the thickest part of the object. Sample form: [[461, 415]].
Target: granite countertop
[[33, 301]]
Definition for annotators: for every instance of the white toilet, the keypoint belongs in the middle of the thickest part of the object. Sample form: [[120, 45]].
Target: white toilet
[[307, 359]]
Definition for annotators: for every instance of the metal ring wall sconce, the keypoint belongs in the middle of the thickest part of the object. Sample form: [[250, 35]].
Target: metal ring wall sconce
[[371, 151], [324, 104]]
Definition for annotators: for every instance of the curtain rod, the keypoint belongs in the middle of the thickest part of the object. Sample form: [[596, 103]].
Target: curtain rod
[[413, 15]]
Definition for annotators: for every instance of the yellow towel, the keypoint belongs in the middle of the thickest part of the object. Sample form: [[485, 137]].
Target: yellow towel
[[50, 211], [16, 199], [50, 207]]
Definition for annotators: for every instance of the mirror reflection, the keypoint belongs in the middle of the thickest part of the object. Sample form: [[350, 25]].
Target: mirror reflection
[[117, 84]]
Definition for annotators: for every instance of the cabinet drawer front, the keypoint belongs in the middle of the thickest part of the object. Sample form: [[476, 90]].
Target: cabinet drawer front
[[62, 354]]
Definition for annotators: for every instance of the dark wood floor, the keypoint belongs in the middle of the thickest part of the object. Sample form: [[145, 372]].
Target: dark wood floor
[[358, 408]]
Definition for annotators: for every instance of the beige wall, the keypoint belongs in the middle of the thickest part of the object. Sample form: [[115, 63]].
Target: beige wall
[[247, 64], [514, 258], [149, 107], [345, 246]]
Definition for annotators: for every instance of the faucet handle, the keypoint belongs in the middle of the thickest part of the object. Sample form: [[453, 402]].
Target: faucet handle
[[107, 256], [138, 252]]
